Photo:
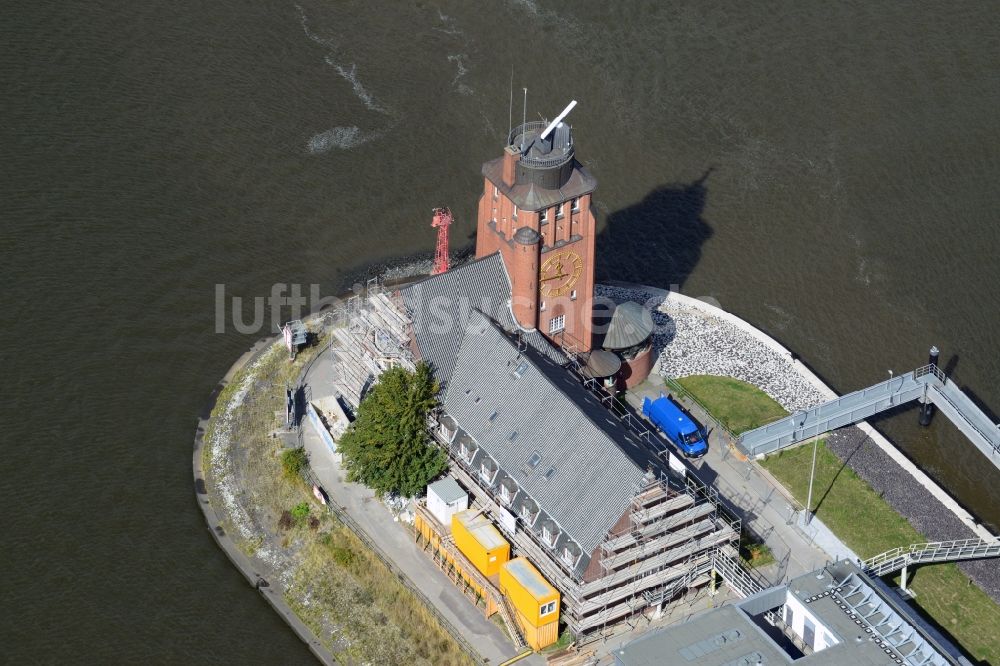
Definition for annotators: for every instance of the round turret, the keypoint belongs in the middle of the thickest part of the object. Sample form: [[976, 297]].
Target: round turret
[[548, 162]]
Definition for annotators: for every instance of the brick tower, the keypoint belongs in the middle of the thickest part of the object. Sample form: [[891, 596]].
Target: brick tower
[[536, 210]]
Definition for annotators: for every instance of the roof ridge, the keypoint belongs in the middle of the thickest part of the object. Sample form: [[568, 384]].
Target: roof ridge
[[528, 353]]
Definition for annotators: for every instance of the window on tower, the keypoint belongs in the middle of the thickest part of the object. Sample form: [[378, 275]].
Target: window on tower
[[496, 191], [543, 217], [515, 212], [557, 324], [576, 205], [559, 211]]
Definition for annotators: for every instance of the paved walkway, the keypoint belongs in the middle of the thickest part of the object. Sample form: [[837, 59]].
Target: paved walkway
[[396, 542], [760, 501]]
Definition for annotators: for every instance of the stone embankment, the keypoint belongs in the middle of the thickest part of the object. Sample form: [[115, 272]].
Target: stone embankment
[[697, 338], [910, 499]]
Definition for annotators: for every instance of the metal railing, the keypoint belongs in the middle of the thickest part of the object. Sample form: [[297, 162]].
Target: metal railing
[[739, 579], [926, 553], [930, 369]]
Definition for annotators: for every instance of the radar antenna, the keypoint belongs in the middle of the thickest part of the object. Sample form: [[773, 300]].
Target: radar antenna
[[559, 119]]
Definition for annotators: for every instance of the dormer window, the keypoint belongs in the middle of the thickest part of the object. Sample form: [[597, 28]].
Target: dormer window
[[485, 472], [548, 536], [506, 493], [568, 556], [466, 451]]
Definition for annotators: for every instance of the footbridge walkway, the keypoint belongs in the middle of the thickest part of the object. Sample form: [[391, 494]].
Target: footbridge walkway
[[928, 385], [929, 553]]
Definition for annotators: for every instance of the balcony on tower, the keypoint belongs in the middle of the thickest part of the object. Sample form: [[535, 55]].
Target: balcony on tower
[[547, 161]]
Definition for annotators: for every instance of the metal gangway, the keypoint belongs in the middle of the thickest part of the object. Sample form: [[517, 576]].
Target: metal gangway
[[928, 385], [928, 553], [740, 579]]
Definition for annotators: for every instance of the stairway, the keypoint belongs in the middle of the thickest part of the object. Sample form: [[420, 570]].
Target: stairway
[[509, 618]]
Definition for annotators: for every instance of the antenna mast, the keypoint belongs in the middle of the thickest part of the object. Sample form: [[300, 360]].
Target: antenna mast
[[559, 119], [524, 114], [510, 106]]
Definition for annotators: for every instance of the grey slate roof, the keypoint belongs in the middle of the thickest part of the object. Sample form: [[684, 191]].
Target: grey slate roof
[[512, 409], [440, 307]]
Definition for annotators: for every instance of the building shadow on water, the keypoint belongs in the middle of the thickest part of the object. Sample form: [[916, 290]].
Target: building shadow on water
[[658, 240]]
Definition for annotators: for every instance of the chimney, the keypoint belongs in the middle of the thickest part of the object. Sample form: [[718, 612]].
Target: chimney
[[511, 156]]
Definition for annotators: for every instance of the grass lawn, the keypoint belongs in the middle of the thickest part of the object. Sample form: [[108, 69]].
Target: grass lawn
[[736, 404], [869, 526]]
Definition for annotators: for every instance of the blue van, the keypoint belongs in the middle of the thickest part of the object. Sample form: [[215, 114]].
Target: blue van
[[676, 425]]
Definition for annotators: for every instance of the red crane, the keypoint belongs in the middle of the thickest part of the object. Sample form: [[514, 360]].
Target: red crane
[[442, 218]]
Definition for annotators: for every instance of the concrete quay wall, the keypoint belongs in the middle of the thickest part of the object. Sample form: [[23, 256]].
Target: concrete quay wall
[[264, 581]]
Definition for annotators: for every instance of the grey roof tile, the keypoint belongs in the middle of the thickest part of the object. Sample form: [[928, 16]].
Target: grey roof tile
[[593, 480], [440, 307]]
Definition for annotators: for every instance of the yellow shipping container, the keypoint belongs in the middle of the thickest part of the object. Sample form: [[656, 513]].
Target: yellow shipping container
[[479, 541], [534, 599], [428, 532]]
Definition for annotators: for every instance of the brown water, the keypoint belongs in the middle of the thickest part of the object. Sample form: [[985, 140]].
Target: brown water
[[828, 171]]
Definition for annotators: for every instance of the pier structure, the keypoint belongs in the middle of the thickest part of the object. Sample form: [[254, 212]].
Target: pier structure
[[928, 385]]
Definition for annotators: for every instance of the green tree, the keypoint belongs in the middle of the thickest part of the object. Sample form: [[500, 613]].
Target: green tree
[[388, 447]]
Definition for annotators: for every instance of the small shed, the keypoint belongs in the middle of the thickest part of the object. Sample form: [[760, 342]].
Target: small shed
[[479, 541], [296, 335], [445, 498]]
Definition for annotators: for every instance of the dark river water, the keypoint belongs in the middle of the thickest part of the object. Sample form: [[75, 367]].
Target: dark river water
[[829, 171]]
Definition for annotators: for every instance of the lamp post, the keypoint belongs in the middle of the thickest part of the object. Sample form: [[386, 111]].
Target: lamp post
[[812, 474]]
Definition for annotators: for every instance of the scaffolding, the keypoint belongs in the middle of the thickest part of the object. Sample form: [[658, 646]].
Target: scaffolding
[[667, 545], [375, 338]]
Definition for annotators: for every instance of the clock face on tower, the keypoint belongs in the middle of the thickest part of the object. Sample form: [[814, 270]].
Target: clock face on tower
[[559, 273]]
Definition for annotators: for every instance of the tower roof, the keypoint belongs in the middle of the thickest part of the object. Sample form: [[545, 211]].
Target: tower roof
[[527, 236], [630, 325]]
